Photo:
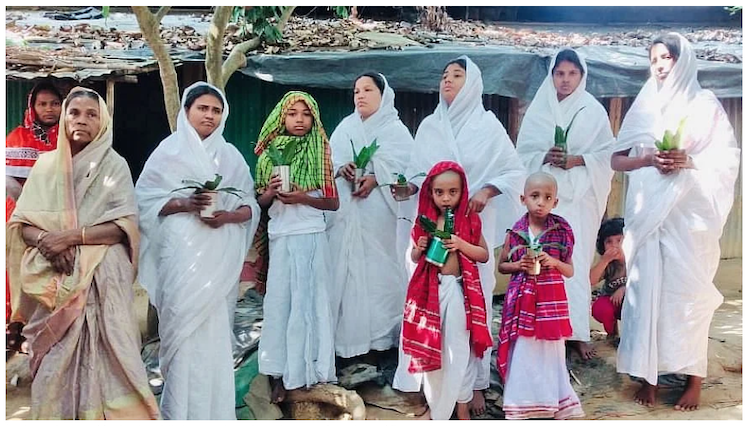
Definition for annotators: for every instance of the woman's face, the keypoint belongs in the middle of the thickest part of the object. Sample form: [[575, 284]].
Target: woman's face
[[205, 114], [566, 77], [299, 119], [48, 108], [452, 81], [367, 97], [82, 119], [661, 62]]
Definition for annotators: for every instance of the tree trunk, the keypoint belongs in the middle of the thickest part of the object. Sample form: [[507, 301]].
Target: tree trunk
[[150, 27]]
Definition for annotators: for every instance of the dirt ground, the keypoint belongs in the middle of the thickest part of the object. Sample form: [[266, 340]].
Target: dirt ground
[[604, 394]]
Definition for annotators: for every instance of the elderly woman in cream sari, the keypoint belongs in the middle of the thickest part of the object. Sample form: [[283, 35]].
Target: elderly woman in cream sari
[[676, 206], [580, 166], [72, 247], [190, 262], [369, 278]]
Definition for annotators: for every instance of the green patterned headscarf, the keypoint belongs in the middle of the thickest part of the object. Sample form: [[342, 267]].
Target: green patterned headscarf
[[311, 167]]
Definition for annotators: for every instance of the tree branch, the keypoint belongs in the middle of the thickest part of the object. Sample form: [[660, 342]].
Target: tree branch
[[150, 30], [161, 13], [237, 58], [285, 17], [214, 53]]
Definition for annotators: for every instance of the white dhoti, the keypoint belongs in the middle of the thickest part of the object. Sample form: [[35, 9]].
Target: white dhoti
[[297, 337], [538, 384], [454, 381]]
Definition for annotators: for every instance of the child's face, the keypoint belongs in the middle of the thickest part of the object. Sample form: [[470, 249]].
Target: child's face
[[299, 119], [614, 241], [540, 197], [446, 190]]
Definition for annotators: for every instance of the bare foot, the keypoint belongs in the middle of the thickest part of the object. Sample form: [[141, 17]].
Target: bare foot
[[462, 411], [476, 405], [583, 349], [278, 390], [689, 401], [646, 395]]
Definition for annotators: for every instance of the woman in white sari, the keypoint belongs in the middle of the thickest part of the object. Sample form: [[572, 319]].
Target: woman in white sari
[[369, 279], [677, 204], [190, 265], [581, 169], [461, 130]]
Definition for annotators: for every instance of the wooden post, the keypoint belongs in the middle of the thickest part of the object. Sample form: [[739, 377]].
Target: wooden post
[[516, 112], [110, 84], [615, 204]]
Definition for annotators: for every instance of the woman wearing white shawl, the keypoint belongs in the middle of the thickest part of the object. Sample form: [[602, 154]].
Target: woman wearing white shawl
[[190, 266], [369, 279], [582, 171], [461, 130], [677, 204]]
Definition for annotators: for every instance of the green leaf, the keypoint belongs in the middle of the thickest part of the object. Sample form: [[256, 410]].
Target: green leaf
[[516, 248], [571, 121], [194, 187], [559, 136], [211, 185], [659, 145], [676, 140], [288, 153], [340, 11]]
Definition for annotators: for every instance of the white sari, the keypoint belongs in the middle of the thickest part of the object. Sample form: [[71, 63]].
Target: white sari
[[191, 271], [466, 133], [582, 191], [673, 224], [368, 277]]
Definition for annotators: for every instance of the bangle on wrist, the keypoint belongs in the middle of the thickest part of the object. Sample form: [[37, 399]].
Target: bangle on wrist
[[39, 236], [82, 236]]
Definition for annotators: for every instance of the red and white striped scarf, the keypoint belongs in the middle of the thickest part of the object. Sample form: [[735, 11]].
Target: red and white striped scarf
[[536, 305], [421, 333]]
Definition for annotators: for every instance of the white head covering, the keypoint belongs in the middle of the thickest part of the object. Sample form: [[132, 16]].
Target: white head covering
[[473, 137], [657, 109], [184, 155], [582, 191], [386, 128]]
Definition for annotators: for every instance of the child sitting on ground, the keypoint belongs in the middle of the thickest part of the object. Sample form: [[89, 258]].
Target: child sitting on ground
[[535, 317], [444, 314], [607, 309]]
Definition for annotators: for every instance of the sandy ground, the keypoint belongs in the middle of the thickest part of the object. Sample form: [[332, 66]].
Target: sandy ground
[[604, 394]]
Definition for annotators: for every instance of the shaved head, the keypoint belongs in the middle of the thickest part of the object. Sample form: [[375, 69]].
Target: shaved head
[[539, 178]]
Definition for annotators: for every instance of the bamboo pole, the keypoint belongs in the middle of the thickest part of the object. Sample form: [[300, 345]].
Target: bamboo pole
[[615, 204]]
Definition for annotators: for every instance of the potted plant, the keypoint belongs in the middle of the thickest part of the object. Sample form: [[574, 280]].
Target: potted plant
[[436, 251], [210, 188], [671, 141], [534, 248], [560, 135], [281, 161], [362, 159], [401, 186]]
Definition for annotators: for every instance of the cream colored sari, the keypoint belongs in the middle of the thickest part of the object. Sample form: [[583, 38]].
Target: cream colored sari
[[82, 330]]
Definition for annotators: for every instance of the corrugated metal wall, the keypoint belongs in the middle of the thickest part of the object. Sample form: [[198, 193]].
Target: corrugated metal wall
[[251, 100], [731, 243], [16, 95]]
